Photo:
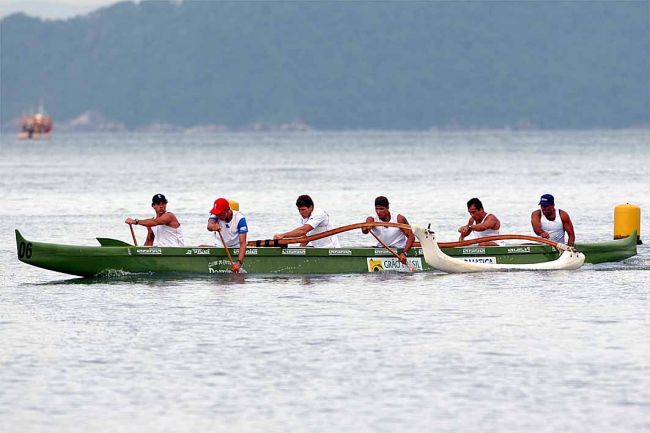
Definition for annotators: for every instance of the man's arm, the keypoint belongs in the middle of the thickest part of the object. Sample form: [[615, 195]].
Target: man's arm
[[295, 233], [491, 222], [536, 222], [164, 219], [568, 227], [150, 237], [213, 225], [242, 253], [465, 230], [365, 230], [410, 237]]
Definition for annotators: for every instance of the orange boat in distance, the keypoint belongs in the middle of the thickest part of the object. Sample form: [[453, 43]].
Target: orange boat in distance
[[35, 126]]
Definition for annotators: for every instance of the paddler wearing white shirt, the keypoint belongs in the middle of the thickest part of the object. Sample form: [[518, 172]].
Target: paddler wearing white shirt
[[550, 224], [233, 228], [313, 221], [392, 236], [480, 223], [164, 230]]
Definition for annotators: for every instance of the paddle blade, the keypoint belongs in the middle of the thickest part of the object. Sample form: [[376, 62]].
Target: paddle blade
[[107, 242]]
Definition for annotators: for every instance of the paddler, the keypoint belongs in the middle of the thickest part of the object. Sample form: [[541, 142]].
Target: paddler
[[233, 228], [163, 230], [480, 223], [395, 237], [313, 221], [551, 224]]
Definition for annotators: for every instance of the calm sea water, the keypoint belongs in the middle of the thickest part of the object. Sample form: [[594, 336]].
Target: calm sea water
[[505, 352]]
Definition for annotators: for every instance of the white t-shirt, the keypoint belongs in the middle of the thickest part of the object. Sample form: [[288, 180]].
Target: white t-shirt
[[321, 222], [230, 230]]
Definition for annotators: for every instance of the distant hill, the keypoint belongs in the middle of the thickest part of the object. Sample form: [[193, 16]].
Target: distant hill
[[335, 65]]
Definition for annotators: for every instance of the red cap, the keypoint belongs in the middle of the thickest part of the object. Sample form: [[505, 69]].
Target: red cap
[[220, 205]]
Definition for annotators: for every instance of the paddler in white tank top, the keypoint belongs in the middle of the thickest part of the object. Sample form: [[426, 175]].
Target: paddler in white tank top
[[163, 230], [480, 223], [546, 223], [314, 221], [395, 237]]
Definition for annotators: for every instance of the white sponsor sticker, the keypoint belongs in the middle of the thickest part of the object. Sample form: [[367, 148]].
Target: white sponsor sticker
[[148, 251], [199, 251], [473, 250], [488, 260], [383, 264], [293, 252], [338, 252], [518, 250]]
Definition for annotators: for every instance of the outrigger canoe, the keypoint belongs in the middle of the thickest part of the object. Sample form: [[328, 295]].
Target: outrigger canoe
[[115, 258]]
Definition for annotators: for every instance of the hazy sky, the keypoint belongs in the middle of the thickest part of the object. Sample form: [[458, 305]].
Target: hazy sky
[[52, 9]]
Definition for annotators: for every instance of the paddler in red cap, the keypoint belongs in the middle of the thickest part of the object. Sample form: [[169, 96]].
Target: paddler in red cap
[[233, 228]]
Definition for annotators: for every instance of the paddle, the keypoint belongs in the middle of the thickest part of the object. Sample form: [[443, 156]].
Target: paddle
[[223, 242], [411, 268], [304, 239], [135, 242], [556, 245]]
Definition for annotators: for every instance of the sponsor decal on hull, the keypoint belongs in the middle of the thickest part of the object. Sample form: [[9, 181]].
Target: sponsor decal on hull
[[383, 264], [148, 251], [293, 252], [518, 250], [249, 252], [339, 252], [222, 266], [473, 250], [198, 251], [488, 260], [382, 252]]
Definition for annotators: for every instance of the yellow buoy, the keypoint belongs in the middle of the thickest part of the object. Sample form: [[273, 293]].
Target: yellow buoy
[[234, 204], [627, 218]]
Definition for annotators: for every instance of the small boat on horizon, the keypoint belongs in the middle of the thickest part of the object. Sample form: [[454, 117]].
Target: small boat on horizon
[[35, 126]]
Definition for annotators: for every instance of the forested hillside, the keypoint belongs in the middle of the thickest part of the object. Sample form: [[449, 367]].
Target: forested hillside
[[336, 65]]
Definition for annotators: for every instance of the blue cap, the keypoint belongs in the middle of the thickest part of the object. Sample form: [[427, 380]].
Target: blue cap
[[546, 200]]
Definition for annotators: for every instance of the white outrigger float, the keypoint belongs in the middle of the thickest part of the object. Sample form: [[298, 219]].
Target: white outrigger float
[[569, 259]]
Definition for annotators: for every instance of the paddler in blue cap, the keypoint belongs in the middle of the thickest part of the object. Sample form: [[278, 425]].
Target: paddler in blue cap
[[551, 224]]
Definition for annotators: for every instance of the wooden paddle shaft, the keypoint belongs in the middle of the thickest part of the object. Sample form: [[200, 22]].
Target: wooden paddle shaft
[[135, 242], [223, 242], [304, 239]]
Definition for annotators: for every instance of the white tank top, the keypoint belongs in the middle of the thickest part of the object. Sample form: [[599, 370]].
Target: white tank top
[[484, 233], [554, 228], [392, 236], [230, 230], [165, 236], [321, 222]]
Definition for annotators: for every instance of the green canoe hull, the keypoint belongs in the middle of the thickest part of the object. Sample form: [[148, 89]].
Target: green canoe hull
[[118, 258]]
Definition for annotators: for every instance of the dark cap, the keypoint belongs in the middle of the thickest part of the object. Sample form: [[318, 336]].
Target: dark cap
[[158, 198], [546, 200], [381, 201]]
